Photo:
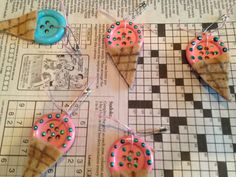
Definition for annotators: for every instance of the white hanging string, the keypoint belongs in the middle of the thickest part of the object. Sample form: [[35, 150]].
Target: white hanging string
[[69, 31], [74, 106], [146, 132], [72, 51], [129, 17], [223, 19], [136, 12]]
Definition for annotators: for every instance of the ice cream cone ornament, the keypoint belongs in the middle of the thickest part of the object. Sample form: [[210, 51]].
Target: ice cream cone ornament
[[43, 26], [209, 57], [53, 136], [123, 41]]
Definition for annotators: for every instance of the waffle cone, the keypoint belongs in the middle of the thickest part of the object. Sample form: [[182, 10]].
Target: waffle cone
[[139, 173], [22, 27], [214, 72], [125, 59], [42, 155]]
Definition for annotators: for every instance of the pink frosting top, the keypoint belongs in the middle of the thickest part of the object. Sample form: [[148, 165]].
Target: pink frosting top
[[130, 153], [57, 129], [203, 47], [124, 34]]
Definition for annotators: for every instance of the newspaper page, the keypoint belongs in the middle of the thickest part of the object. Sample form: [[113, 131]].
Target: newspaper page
[[201, 135]]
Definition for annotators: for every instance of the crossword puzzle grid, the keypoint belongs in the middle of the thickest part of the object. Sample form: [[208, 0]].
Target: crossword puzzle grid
[[201, 136], [17, 132]]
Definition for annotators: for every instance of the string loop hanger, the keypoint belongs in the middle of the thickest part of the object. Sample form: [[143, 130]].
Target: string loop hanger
[[74, 52], [77, 102], [151, 131], [75, 105], [128, 17], [147, 132], [73, 49], [222, 19], [136, 12], [69, 32]]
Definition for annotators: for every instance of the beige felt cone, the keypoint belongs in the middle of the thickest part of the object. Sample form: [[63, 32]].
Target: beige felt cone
[[214, 72], [22, 27], [138, 173], [42, 155], [125, 59]]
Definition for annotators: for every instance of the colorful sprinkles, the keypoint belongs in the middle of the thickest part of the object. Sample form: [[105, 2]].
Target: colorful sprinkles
[[199, 37], [112, 154], [112, 164], [62, 132], [199, 47], [216, 39], [122, 141], [149, 162]]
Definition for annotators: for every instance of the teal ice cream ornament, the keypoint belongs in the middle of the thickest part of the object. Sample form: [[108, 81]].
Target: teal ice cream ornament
[[44, 27]]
